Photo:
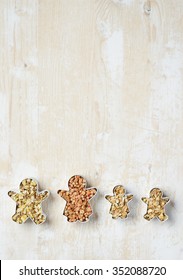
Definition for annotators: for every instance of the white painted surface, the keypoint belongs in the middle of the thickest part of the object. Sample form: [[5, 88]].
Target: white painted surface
[[92, 88]]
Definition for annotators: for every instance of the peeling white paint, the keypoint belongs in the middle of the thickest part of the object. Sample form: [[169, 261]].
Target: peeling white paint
[[112, 53], [172, 64], [102, 136], [4, 130], [22, 170], [104, 28], [18, 72], [123, 2], [4, 107]]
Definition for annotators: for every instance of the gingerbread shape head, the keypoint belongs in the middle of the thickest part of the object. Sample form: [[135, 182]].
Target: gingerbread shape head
[[156, 205], [119, 190], [77, 182], [77, 199], [28, 186], [28, 202], [156, 192]]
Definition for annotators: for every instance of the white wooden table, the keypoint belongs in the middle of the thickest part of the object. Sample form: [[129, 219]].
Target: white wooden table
[[95, 88]]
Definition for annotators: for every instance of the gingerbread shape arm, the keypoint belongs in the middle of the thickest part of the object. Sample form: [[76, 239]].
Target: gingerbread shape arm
[[42, 196], [91, 192], [129, 197], [15, 196], [145, 200], [110, 198], [165, 200], [64, 194]]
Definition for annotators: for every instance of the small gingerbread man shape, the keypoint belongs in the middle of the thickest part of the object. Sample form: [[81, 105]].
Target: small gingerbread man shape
[[119, 202], [28, 202], [77, 199], [156, 205]]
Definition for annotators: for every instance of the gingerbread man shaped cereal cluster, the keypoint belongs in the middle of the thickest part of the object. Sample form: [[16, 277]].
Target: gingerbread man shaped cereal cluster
[[77, 199], [156, 205], [119, 202], [28, 202]]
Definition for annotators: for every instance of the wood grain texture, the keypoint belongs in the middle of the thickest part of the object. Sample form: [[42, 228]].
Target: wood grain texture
[[95, 88]]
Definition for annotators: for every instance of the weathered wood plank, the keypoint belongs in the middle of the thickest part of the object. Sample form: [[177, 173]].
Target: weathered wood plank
[[92, 88]]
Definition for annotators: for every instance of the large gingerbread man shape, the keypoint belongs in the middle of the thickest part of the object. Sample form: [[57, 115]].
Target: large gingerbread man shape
[[77, 199], [28, 202]]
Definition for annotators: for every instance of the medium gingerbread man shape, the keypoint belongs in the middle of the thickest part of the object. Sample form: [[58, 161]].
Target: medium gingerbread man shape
[[119, 202], [77, 199], [28, 202], [156, 205]]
